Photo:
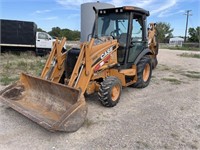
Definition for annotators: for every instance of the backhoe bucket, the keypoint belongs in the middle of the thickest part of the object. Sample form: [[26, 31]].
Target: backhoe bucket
[[51, 105]]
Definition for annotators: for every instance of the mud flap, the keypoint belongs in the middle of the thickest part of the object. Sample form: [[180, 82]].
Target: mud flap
[[51, 105]]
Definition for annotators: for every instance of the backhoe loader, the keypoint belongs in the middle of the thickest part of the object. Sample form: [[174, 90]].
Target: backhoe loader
[[120, 52]]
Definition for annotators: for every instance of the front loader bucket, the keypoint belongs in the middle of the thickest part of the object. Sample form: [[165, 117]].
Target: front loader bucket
[[51, 105]]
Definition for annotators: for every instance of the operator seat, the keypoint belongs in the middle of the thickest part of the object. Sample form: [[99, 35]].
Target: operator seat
[[122, 46]]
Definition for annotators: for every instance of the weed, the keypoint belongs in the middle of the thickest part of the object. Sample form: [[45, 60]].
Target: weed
[[5, 80], [164, 68], [7, 65], [195, 141], [167, 146], [39, 65], [190, 55], [175, 136], [183, 48], [194, 76], [193, 72], [13, 65], [141, 143], [172, 80], [27, 55], [182, 108], [198, 126], [193, 146], [89, 123], [22, 64]]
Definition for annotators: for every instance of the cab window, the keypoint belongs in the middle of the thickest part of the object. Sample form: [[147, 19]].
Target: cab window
[[42, 36], [136, 38]]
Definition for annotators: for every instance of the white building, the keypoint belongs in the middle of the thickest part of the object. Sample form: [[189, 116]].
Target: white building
[[176, 41]]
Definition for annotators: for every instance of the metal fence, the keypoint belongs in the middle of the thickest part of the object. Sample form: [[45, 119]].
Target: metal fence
[[185, 45]]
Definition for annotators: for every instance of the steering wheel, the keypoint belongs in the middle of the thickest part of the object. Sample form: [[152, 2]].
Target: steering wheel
[[114, 33]]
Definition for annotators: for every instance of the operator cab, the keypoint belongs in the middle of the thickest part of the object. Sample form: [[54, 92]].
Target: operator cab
[[127, 25]]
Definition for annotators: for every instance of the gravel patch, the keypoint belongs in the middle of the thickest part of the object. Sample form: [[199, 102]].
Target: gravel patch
[[162, 116]]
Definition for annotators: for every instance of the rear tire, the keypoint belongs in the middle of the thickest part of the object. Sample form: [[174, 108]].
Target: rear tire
[[110, 91], [144, 71]]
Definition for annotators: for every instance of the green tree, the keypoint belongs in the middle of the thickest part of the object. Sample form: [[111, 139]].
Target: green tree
[[164, 32], [69, 34], [55, 31], [40, 30], [194, 34]]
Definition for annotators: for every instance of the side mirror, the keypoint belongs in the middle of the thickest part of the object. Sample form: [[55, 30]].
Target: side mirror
[[95, 10]]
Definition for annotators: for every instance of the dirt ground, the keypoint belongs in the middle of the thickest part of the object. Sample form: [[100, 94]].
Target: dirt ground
[[165, 115]]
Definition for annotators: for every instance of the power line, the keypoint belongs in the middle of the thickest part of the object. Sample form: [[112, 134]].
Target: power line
[[188, 14]]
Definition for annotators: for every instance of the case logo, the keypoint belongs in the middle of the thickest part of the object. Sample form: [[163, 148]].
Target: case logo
[[106, 52]]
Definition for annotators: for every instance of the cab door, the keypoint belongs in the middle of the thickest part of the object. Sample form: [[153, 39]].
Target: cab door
[[43, 40], [137, 43]]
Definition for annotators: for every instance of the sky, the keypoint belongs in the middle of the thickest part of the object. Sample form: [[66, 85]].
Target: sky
[[66, 13]]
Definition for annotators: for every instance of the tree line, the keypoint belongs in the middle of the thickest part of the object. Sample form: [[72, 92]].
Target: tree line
[[164, 33], [58, 32]]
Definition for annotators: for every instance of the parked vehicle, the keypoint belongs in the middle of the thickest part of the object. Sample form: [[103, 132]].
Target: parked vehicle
[[22, 36]]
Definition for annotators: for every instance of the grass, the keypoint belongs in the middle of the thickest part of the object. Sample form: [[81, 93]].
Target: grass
[[164, 68], [193, 146], [184, 48], [13, 65], [192, 74], [190, 55], [88, 123], [172, 80], [143, 144], [5, 80], [175, 136], [198, 126]]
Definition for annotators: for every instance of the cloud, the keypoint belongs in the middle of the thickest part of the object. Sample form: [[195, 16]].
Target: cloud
[[167, 13], [72, 4], [50, 18], [41, 11], [162, 8]]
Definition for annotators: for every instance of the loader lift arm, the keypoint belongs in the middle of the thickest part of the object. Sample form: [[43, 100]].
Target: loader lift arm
[[54, 67], [90, 57]]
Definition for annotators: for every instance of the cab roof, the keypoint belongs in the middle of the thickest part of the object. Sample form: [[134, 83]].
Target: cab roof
[[124, 9]]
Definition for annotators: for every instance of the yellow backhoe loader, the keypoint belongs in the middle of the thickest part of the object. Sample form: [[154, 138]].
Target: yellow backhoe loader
[[121, 52]]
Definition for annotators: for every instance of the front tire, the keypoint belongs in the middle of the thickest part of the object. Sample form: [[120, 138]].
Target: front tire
[[154, 62], [110, 91], [144, 71]]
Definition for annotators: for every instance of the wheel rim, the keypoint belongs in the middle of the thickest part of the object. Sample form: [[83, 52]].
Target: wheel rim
[[115, 92], [146, 72]]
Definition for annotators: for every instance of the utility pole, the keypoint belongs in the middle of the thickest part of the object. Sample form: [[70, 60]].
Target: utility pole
[[188, 14]]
